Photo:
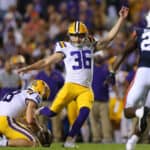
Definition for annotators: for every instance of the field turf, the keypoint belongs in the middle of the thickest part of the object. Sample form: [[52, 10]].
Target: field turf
[[58, 146]]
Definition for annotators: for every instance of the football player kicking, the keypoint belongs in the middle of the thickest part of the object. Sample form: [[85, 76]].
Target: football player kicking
[[140, 86], [78, 59], [12, 106]]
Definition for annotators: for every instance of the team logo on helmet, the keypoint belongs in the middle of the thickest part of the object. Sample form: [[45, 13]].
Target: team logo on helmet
[[40, 87]]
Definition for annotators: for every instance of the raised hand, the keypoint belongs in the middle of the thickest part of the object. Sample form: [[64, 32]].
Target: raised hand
[[124, 12]]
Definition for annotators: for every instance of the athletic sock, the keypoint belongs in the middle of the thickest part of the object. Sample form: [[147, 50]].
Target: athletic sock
[[83, 114]]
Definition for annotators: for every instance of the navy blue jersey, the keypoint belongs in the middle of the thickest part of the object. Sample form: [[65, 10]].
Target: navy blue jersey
[[143, 44]]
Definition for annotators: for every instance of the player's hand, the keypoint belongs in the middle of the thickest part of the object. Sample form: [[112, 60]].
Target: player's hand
[[45, 111], [37, 112], [110, 79], [124, 12]]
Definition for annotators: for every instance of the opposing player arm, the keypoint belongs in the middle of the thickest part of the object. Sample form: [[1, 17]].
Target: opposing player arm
[[131, 46], [52, 59], [123, 13]]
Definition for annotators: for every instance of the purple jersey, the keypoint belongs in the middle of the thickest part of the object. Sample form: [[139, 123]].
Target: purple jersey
[[100, 89]]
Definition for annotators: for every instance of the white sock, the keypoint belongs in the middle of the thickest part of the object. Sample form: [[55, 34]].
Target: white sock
[[3, 142], [139, 112]]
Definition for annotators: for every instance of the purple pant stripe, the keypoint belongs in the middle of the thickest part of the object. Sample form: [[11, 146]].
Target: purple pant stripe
[[19, 128]]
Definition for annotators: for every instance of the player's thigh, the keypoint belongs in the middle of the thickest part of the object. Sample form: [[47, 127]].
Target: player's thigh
[[85, 99], [137, 90], [14, 130], [62, 99], [147, 100]]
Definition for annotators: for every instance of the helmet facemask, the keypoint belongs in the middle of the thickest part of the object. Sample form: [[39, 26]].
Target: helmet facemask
[[78, 40], [78, 32]]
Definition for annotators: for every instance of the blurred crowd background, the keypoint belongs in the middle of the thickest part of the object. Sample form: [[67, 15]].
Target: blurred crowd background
[[29, 30]]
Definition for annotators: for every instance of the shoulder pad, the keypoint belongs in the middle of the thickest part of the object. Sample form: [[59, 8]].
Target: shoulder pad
[[62, 44]]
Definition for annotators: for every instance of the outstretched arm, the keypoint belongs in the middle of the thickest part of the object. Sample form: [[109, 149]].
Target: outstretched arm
[[123, 13], [131, 46], [52, 59]]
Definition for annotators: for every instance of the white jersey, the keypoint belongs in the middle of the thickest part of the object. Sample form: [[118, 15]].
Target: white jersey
[[78, 62], [14, 104]]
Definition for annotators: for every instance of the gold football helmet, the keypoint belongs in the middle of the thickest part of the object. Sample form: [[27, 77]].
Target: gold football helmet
[[77, 27], [16, 59], [40, 87]]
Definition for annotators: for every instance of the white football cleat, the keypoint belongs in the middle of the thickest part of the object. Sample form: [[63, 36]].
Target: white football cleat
[[130, 145], [3, 141], [142, 113], [70, 143]]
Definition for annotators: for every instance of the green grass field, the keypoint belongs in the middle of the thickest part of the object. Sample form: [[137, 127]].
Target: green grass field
[[58, 146]]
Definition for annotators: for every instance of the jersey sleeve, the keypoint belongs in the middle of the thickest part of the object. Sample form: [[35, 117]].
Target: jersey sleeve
[[34, 97], [60, 47]]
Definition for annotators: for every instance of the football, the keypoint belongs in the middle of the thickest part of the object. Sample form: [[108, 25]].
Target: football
[[45, 137]]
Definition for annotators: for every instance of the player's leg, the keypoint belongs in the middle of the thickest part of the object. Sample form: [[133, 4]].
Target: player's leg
[[70, 140], [145, 135], [137, 91], [84, 102], [62, 99], [72, 112], [16, 134]]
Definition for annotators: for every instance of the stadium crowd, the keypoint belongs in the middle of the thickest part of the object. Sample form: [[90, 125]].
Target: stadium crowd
[[28, 31]]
